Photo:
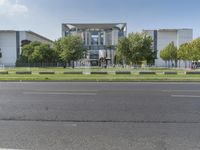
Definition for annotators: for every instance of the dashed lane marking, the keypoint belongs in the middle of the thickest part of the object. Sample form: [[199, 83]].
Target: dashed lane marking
[[186, 96], [59, 93]]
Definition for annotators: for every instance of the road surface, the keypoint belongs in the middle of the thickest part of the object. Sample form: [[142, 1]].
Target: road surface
[[100, 116]]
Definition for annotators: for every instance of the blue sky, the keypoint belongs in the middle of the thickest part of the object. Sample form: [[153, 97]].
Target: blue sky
[[45, 16]]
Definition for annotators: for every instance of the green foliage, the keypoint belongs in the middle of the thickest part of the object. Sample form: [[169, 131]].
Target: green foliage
[[169, 53], [123, 49], [27, 51], [136, 48], [25, 42], [184, 52], [37, 52], [70, 48], [195, 50], [165, 55], [190, 51]]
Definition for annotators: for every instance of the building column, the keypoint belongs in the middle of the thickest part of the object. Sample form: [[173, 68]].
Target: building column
[[89, 38], [86, 38], [99, 38], [18, 44], [104, 39]]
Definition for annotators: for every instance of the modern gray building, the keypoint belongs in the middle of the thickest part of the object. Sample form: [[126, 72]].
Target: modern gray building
[[100, 39]]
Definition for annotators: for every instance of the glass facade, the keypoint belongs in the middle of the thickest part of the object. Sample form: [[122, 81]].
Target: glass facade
[[97, 37]]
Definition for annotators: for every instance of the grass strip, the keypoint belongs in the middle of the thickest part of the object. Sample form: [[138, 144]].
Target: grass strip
[[98, 78]]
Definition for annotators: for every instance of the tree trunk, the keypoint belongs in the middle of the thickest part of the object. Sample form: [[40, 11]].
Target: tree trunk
[[185, 64], [73, 64], [176, 63]]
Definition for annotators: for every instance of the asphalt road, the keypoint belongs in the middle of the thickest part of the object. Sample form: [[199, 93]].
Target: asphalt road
[[100, 116]]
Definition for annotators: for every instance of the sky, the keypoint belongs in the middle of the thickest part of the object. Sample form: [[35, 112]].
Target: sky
[[46, 16]]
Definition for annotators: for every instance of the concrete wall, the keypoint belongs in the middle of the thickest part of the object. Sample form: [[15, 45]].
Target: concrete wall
[[115, 37], [184, 36], [166, 36], [8, 47], [108, 38], [10, 43], [26, 35]]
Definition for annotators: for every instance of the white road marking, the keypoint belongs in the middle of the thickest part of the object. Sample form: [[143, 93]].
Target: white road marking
[[59, 93], [162, 83], [180, 90], [186, 96], [65, 124], [10, 149], [72, 125], [42, 90]]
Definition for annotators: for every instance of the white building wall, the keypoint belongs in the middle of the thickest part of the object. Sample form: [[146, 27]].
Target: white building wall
[[26, 35], [108, 38], [184, 36], [8, 48], [102, 53], [115, 37], [9, 43], [34, 37], [164, 38]]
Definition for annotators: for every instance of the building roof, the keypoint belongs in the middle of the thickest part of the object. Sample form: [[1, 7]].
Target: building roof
[[173, 29], [31, 32], [169, 29], [84, 26], [7, 30]]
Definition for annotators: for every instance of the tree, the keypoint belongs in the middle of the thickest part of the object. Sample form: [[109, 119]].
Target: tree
[[165, 56], [27, 51], [169, 53], [25, 42], [123, 50], [184, 52], [136, 48], [37, 52], [43, 54], [70, 48], [149, 54], [37, 55], [195, 50]]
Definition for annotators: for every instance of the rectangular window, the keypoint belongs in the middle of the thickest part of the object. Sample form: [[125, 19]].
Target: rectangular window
[[94, 38]]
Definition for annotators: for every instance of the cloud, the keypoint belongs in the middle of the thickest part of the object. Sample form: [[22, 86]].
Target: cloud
[[7, 8], [2, 1]]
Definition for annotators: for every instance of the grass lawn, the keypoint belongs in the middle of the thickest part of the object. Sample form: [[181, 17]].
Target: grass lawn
[[60, 69], [110, 77], [59, 76]]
